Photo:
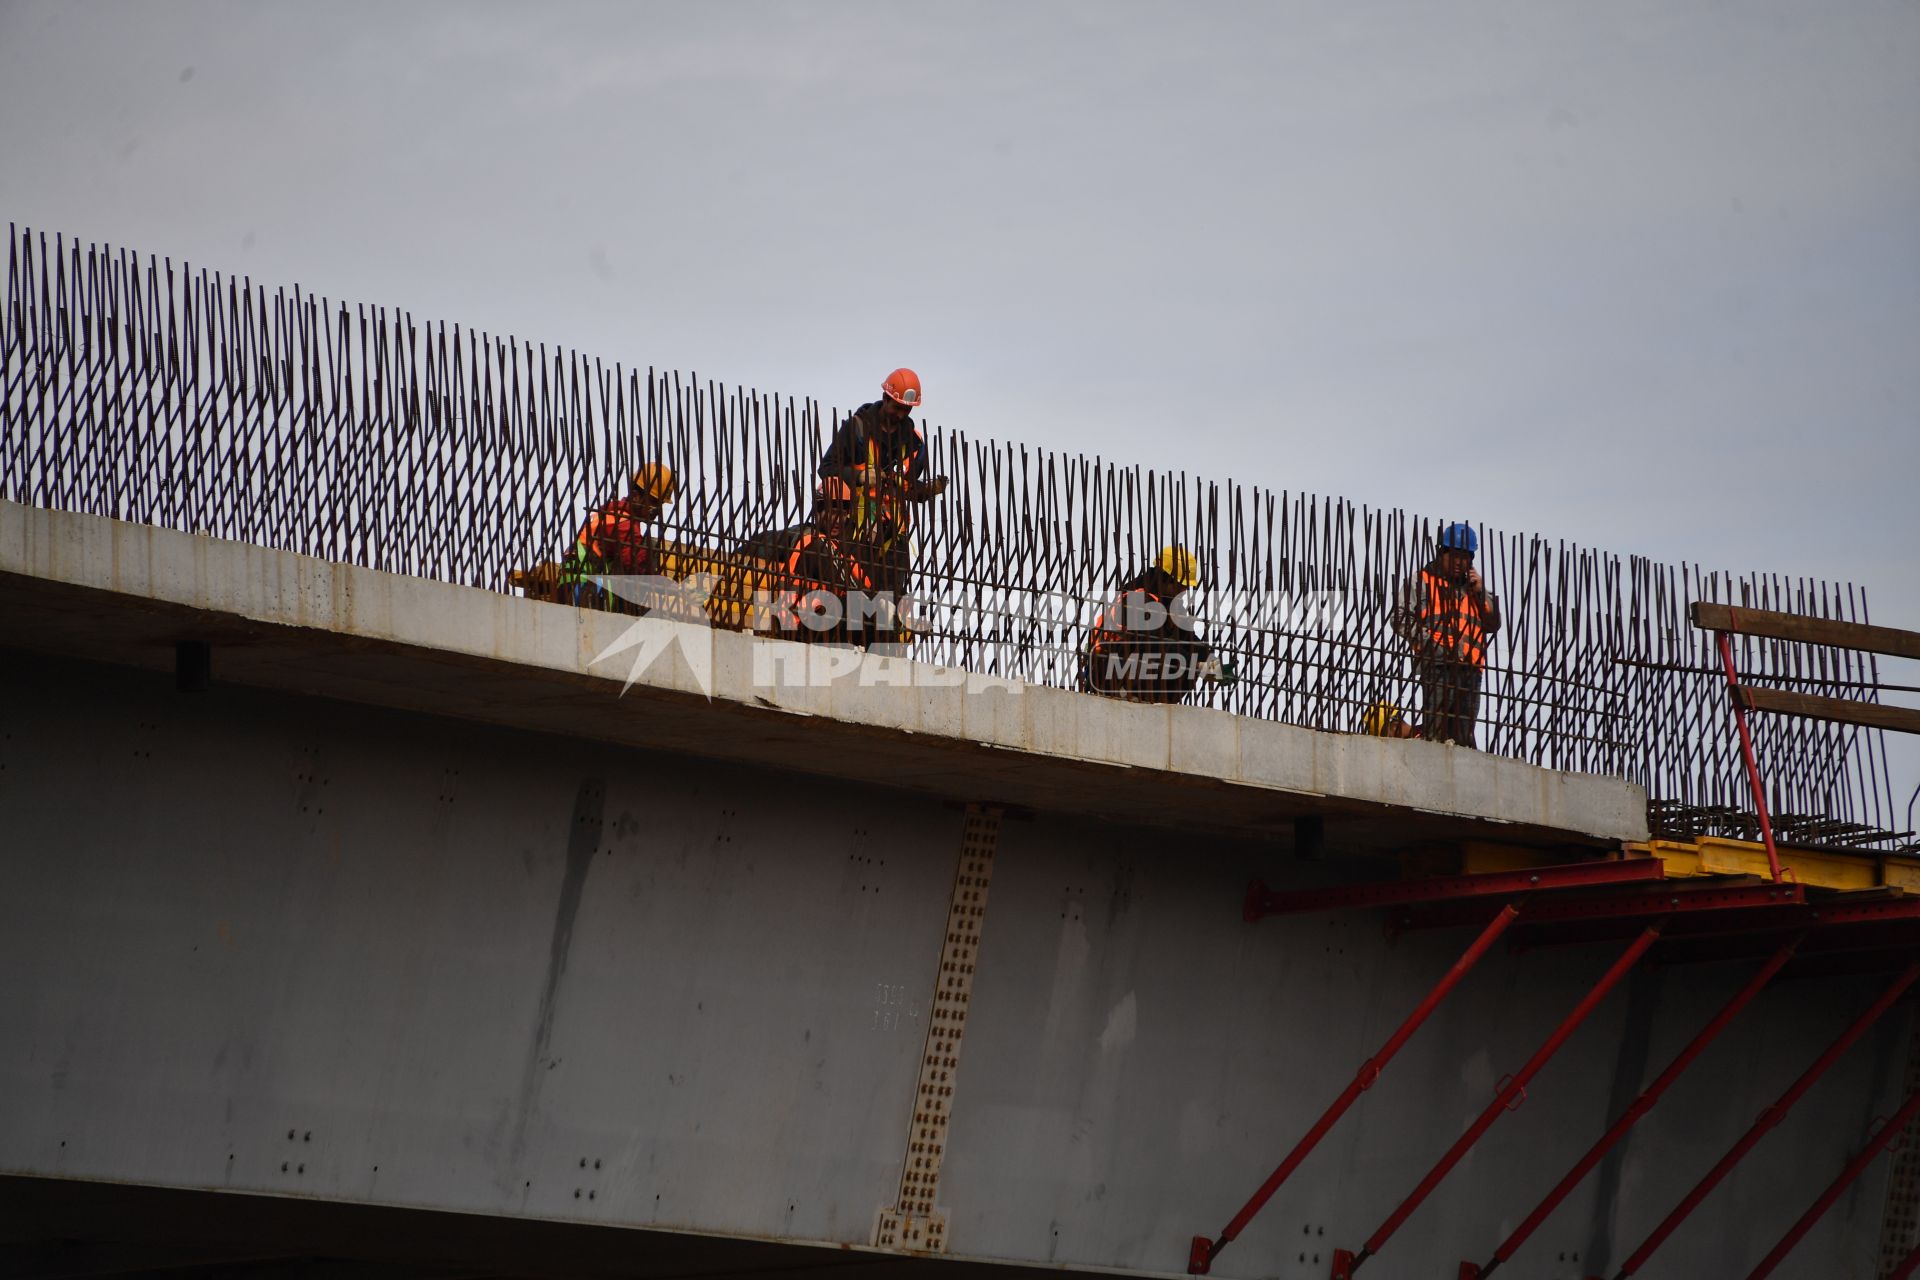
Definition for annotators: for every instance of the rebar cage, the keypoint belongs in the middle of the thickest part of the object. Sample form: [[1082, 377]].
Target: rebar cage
[[199, 401]]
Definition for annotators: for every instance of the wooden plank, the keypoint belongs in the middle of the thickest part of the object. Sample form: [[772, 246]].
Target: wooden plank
[[1795, 626], [1839, 710]]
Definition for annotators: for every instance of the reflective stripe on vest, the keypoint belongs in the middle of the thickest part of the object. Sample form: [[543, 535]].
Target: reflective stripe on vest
[[883, 503], [1126, 613], [857, 579], [1452, 620]]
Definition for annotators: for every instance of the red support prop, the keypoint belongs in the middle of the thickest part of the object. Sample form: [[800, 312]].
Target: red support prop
[[1878, 911], [1767, 1119], [1746, 750], [1262, 901], [1622, 904], [1635, 1110], [1201, 1254], [1509, 1095], [1855, 1167], [1908, 1265]]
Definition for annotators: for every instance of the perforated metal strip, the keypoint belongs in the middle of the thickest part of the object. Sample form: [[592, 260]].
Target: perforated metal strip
[[1900, 1227], [913, 1221]]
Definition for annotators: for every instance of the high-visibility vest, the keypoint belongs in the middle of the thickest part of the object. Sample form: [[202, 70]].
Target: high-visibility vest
[[801, 584], [878, 503], [610, 541], [1116, 640], [1105, 636], [1161, 664], [1452, 620]]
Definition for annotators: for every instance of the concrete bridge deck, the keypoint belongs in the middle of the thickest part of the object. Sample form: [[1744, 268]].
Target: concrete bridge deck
[[409, 922], [86, 586]]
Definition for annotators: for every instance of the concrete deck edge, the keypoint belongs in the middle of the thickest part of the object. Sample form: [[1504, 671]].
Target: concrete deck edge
[[281, 589]]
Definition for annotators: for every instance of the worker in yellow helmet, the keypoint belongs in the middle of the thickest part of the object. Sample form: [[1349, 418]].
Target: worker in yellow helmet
[[615, 540], [1384, 720], [1145, 646]]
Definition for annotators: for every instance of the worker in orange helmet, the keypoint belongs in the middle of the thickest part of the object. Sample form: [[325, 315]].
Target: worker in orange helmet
[[882, 457]]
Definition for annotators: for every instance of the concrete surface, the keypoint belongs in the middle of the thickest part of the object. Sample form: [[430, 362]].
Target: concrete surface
[[98, 588], [268, 944]]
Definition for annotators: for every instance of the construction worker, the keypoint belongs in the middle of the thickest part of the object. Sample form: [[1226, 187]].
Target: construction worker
[[1447, 617], [1384, 720], [880, 454], [614, 542], [1144, 647], [824, 580]]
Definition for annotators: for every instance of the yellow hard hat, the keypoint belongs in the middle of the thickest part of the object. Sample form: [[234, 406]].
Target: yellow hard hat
[[1380, 715], [655, 478], [1178, 563]]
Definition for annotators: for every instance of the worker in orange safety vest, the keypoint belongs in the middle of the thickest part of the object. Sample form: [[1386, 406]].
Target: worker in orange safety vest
[[825, 584], [1448, 618], [615, 541], [881, 455]]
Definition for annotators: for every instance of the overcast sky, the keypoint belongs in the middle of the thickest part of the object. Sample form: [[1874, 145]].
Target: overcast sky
[[1643, 275]]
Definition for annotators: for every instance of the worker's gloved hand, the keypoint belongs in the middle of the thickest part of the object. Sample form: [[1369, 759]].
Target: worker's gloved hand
[[1221, 671], [931, 489]]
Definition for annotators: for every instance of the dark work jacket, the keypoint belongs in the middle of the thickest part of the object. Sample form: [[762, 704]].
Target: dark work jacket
[[862, 441], [824, 566], [1124, 658], [860, 449]]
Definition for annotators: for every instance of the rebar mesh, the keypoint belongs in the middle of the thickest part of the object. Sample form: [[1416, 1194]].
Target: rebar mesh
[[199, 401]]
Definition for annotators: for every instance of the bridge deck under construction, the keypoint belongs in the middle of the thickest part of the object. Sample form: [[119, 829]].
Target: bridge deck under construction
[[410, 911], [363, 916]]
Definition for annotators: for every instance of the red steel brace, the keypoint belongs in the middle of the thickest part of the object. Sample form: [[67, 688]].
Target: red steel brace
[[1632, 1115], [1262, 901], [1855, 1167], [1908, 1265], [1767, 1119], [1746, 747], [1203, 1251], [1511, 1091]]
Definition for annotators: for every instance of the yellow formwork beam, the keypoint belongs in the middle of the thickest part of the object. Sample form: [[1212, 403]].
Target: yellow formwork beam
[[1471, 857], [1478, 856], [1706, 856], [1815, 868]]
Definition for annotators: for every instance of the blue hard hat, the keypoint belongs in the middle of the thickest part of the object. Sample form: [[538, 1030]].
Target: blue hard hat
[[1460, 537]]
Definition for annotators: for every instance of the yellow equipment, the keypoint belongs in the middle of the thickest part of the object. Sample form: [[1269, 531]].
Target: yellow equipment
[[1380, 717]]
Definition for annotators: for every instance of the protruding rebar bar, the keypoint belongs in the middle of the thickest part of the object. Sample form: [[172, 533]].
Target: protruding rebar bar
[[145, 390]]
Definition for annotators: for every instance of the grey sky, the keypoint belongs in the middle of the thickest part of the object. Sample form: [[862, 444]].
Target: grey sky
[[1643, 275]]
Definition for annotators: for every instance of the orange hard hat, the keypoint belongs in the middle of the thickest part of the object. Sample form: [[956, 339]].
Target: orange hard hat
[[833, 492], [903, 387]]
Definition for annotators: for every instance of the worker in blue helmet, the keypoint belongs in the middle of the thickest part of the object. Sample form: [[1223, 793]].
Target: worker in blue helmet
[[1448, 618]]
